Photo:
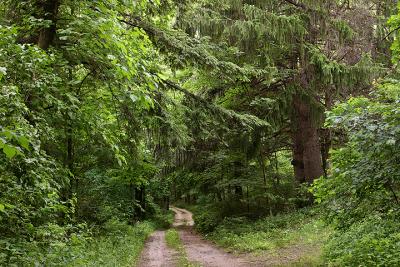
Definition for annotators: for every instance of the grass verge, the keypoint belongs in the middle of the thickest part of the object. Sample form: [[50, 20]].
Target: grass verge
[[293, 239], [121, 246], [173, 241]]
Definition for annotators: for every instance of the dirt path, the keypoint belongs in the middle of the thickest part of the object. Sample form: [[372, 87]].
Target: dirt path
[[202, 251], [182, 217], [156, 253], [199, 251], [205, 253]]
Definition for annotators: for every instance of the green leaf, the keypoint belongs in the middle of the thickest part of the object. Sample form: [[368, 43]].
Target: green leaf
[[2, 207], [8, 134], [2, 142], [9, 151], [133, 98], [24, 142]]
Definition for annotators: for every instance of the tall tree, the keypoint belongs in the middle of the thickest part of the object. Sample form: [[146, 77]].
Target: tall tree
[[304, 54]]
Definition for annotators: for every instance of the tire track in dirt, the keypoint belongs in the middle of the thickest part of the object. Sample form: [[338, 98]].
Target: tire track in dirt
[[201, 251], [156, 253]]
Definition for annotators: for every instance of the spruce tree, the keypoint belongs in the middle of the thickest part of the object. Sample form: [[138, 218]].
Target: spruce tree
[[304, 55]]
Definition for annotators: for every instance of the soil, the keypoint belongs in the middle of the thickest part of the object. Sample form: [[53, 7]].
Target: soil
[[156, 253], [201, 251], [204, 253], [182, 217]]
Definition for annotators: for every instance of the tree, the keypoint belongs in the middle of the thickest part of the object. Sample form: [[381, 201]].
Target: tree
[[305, 56]]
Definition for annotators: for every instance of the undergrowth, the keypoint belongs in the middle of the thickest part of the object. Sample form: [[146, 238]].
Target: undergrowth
[[374, 241], [121, 246], [113, 244], [300, 235]]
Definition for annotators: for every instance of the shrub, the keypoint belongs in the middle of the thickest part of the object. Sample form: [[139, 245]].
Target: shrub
[[374, 241], [206, 220], [360, 196]]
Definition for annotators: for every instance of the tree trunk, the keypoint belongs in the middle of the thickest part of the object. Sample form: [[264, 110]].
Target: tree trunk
[[262, 164], [297, 139], [48, 10], [312, 152], [306, 140], [133, 197]]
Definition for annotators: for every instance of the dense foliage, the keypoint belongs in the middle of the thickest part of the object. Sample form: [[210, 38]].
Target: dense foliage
[[74, 114], [110, 110], [365, 172], [360, 197]]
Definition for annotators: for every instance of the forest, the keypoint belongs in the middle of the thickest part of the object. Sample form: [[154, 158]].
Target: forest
[[199, 133]]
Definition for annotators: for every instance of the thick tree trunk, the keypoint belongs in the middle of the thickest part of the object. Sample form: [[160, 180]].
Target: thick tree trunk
[[48, 10], [307, 149], [312, 152], [297, 139]]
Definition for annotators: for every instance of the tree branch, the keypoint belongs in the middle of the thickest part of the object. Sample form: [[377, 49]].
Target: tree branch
[[391, 32], [297, 4], [246, 120]]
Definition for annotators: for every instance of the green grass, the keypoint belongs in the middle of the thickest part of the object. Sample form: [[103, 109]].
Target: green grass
[[115, 244], [122, 244], [120, 247], [299, 235], [173, 241]]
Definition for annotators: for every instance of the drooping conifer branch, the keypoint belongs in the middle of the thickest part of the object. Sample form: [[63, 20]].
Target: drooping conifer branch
[[191, 50], [246, 120]]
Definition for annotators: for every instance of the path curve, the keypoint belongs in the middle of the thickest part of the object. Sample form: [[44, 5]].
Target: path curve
[[182, 217]]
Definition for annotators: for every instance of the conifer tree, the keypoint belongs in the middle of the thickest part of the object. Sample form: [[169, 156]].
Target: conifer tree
[[303, 54]]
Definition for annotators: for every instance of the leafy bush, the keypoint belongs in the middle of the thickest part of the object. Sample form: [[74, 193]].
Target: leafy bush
[[115, 244], [360, 196], [206, 220], [365, 173], [163, 220], [375, 241], [51, 245]]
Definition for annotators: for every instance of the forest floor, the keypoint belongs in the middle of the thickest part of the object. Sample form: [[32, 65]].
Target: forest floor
[[200, 252]]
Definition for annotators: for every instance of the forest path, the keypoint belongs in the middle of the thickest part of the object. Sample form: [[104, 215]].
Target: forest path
[[156, 253], [200, 251]]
